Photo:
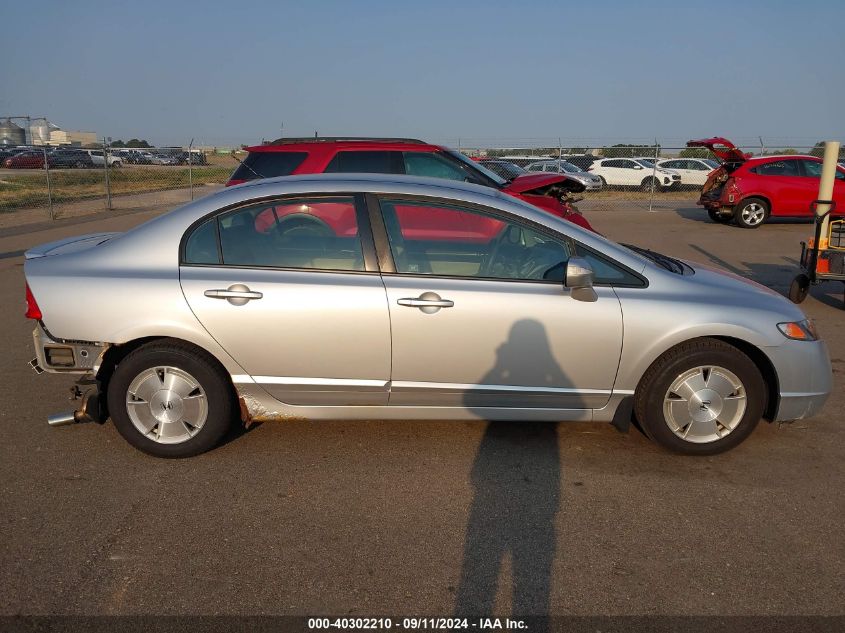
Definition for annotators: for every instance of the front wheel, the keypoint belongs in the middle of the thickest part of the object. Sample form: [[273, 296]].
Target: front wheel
[[650, 184], [700, 398], [170, 400], [751, 213]]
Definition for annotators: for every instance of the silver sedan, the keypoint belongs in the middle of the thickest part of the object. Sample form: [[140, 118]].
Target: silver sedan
[[381, 296]]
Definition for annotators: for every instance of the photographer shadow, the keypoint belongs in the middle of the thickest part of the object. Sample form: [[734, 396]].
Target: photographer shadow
[[516, 480]]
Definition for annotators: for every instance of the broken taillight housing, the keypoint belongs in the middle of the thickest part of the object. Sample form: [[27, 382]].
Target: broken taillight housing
[[732, 187], [32, 309]]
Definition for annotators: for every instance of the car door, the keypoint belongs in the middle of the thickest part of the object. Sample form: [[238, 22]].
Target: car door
[[781, 181], [699, 171], [613, 173], [480, 319], [687, 169], [811, 172], [632, 173], [290, 289]]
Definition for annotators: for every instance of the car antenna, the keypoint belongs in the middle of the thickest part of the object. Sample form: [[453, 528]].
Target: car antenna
[[245, 165]]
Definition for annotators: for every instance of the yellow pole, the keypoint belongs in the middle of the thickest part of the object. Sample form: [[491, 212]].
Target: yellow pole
[[831, 155]]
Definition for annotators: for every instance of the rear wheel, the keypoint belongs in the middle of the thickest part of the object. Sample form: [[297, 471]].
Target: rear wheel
[[170, 400], [700, 398], [751, 213]]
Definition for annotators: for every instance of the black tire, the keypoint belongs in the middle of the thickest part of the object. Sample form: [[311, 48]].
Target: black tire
[[799, 288], [603, 182], [718, 218], [199, 365], [649, 182], [747, 214], [79, 164], [655, 384]]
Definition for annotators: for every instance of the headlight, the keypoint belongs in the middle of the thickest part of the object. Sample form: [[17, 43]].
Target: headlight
[[799, 330]]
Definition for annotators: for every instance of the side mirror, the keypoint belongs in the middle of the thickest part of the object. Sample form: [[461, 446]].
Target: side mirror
[[579, 279]]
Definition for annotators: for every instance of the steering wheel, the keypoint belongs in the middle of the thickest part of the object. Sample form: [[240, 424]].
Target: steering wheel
[[505, 236], [299, 225]]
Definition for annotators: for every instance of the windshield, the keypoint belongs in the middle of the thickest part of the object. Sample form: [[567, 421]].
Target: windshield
[[645, 162], [477, 167], [569, 168], [505, 169], [712, 163]]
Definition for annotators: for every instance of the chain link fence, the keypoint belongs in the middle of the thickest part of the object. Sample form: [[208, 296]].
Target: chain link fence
[[51, 182]]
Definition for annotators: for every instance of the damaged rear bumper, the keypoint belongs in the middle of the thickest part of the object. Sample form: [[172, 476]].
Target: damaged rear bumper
[[59, 356]]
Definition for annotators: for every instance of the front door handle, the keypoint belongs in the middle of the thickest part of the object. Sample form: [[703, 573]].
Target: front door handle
[[428, 302], [237, 294]]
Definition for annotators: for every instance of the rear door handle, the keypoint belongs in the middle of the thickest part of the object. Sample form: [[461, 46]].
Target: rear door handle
[[428, 302], [237, 294], [419, 303]]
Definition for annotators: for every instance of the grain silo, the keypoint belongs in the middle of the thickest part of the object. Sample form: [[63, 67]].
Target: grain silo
[[39, 131], [11, 134]]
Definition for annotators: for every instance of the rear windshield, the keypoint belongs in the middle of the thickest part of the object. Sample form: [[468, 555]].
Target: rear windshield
[[268, 165]]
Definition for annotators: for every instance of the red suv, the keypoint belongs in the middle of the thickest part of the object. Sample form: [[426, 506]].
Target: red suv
[[749, 190], [285, 157]]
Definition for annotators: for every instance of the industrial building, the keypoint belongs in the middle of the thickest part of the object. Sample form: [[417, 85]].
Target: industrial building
[[40, 131]]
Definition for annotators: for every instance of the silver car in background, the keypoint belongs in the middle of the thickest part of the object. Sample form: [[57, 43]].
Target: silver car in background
[[381, 296], [590, 181]]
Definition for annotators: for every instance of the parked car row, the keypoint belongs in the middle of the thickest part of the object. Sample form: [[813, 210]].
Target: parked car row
[[62, 156], [160, 157], [35, 159], [56, 157], [638, 172]]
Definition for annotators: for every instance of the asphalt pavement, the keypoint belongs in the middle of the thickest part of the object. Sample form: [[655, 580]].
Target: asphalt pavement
[[426, 518]]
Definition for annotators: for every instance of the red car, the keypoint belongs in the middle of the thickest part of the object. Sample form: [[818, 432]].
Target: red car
[[285, 157], [748, 191], [25, 160]]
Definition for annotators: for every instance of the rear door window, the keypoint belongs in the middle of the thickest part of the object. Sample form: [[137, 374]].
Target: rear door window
[[778, 168], [319, 233], [268, 165], [366, 162]]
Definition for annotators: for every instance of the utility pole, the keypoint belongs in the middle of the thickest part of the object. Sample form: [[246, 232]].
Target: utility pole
[[190, 171], [106, 168]]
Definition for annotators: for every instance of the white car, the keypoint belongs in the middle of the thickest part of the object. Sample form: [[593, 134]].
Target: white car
[[693, 171], [633, 172], [97, 156]]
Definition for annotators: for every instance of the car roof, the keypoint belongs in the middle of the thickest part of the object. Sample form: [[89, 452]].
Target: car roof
[[781, 157], [329, 143], [364, 181]]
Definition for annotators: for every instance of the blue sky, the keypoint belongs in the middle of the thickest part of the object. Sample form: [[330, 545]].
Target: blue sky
[[491, 72]]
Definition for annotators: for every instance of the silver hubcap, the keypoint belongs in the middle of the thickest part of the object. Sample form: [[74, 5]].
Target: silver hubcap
[[704, 404], [753, 213], [166, 404]]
